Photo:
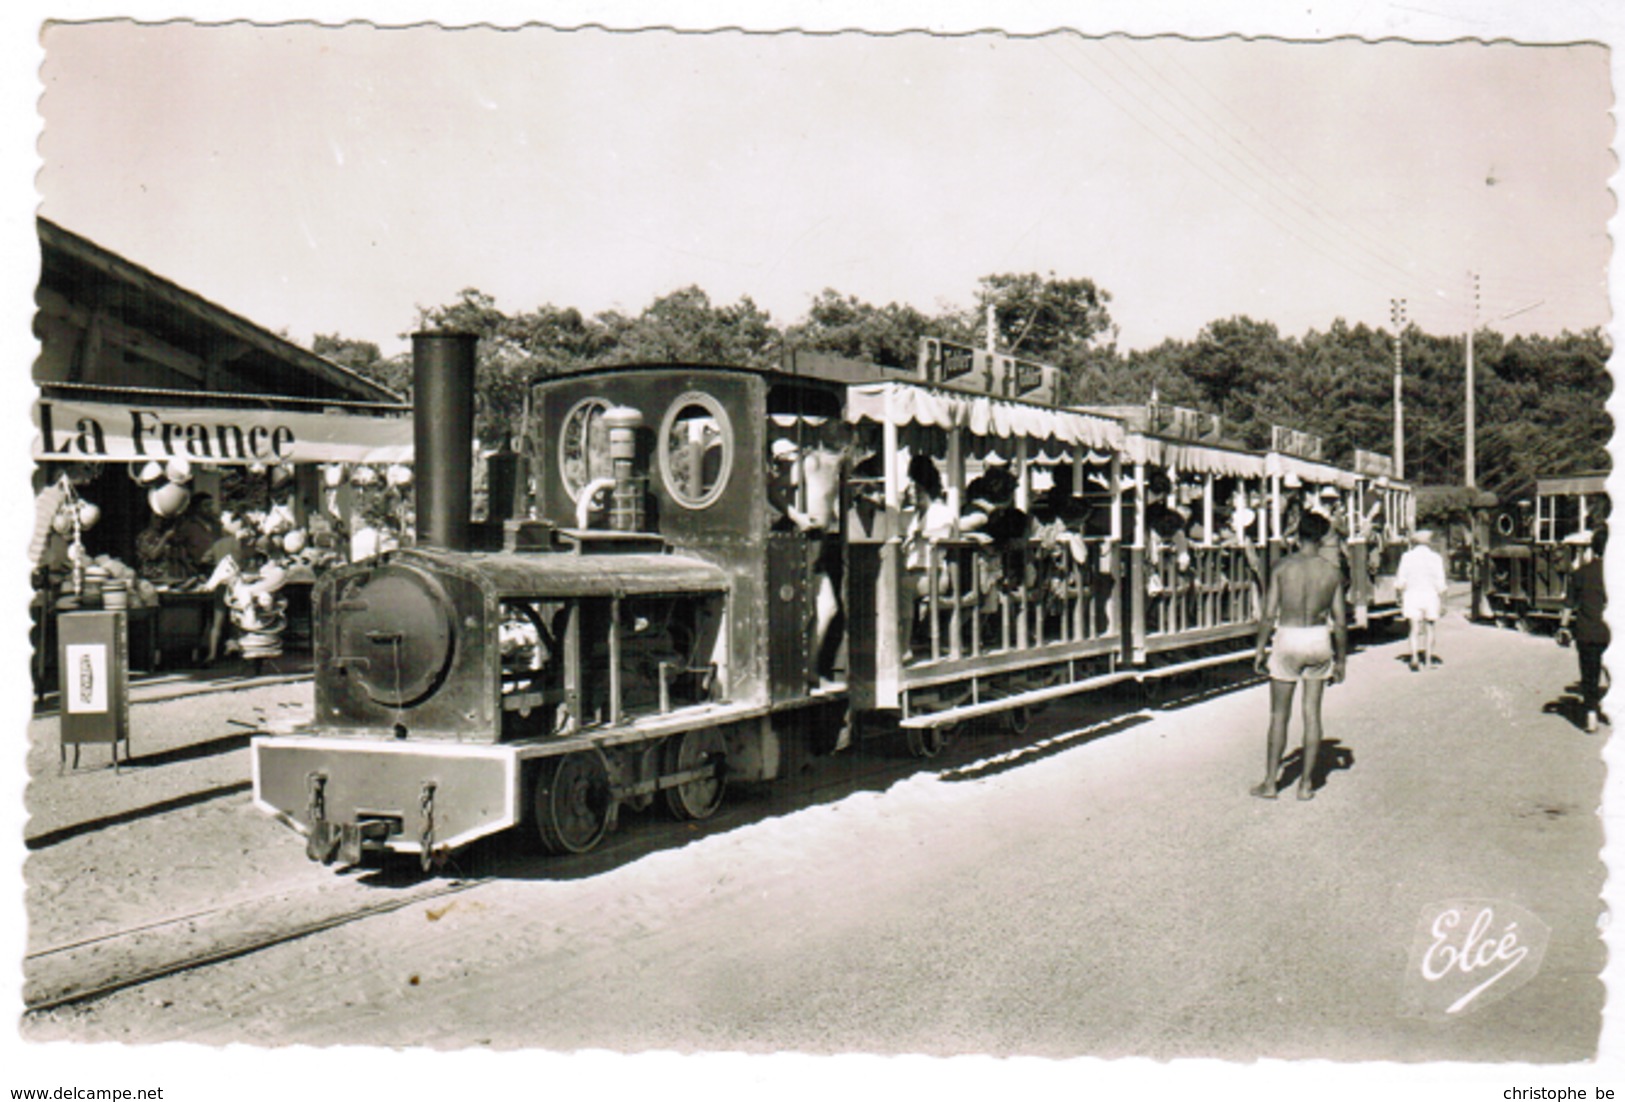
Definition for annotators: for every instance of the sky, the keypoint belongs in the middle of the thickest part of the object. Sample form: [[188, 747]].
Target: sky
[[334, 179]]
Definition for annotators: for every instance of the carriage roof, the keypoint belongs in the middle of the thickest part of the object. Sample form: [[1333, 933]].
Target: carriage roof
[[1588, 482]]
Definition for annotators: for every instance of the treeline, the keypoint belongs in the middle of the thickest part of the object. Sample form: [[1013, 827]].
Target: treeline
[[1540, 400]]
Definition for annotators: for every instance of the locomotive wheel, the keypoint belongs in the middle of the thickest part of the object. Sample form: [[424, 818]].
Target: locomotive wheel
[[696, 799], [926, 742], [572, 803]]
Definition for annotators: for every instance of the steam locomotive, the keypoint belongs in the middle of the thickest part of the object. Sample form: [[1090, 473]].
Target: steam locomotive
[[660, 620]]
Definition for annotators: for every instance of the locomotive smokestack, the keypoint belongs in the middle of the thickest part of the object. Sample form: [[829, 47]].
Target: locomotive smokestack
[[443, 436]]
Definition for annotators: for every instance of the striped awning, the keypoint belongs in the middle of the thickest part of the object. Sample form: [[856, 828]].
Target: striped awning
[[1178, 455], [906, 404], [1279, 463]]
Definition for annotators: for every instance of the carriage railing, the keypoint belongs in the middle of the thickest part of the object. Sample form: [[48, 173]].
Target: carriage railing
[[976, 598], [1200, 588]]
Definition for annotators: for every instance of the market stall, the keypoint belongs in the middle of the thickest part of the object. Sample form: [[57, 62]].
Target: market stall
[[209, 526]]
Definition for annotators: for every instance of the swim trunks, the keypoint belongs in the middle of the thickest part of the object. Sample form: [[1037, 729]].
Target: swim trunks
[[1301, 653]]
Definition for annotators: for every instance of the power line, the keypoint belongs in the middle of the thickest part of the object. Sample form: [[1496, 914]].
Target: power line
[[1241, 171]]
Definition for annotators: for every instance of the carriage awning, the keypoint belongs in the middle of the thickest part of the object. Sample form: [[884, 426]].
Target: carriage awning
[[1176, 455], [1279, 463], [1573, 484], [903, 404]]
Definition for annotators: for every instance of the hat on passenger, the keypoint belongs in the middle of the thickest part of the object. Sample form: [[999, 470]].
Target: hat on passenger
[[1329, 491], [1422, 535], [783, 448]]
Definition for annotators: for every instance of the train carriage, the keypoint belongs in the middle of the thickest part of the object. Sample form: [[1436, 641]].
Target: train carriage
[[1525, 556], [1382, 516], [987, 621], [1198, 557]]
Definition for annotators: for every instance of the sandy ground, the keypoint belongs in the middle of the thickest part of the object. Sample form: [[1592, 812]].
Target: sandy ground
[[1110, 896]]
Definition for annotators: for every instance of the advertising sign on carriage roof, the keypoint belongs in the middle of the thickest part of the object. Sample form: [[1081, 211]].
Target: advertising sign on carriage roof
[[962, 367]]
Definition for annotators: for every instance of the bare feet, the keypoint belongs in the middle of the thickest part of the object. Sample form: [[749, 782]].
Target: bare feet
[[1306, 793], [1263, 790]]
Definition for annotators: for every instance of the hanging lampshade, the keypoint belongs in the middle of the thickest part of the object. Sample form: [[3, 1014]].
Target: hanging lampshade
[[169, 499], [364, 544]]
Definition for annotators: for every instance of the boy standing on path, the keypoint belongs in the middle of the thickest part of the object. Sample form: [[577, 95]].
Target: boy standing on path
[[1304, 607]]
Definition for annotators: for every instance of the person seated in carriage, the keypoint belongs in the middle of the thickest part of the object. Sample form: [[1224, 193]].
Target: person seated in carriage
[[1060, 516], [1168, 518], [992, 515], [930, 520]]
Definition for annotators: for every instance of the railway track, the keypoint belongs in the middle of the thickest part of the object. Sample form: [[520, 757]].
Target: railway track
[[85, 970], [93, 968]]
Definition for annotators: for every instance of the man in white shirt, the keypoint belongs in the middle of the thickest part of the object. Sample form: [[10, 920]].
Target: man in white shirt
[[1421, 582]]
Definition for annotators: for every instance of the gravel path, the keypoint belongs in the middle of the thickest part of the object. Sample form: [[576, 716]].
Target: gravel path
[[1119, 896]]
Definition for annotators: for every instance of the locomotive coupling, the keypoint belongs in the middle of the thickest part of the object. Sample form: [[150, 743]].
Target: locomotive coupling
[[356, 838], [327, 841]]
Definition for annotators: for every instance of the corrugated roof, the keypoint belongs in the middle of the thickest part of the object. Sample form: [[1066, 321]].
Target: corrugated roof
[[184, 318]]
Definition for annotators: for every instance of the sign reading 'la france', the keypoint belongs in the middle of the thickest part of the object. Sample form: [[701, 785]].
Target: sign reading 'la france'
[[96, 431]]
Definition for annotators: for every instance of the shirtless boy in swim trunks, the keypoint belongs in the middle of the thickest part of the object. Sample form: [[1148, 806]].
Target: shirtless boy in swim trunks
[[1304, 607]]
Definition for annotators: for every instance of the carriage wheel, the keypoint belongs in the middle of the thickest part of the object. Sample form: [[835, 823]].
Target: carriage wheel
[[927, 742], [572, 803], [1017, 720], [697, 799]]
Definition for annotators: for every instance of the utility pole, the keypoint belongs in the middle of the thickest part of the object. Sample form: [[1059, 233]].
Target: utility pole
[[1396, 310], [1472, 325]]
